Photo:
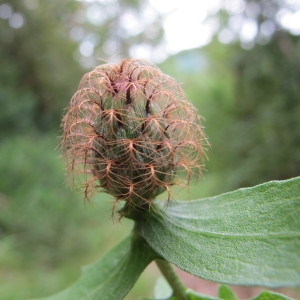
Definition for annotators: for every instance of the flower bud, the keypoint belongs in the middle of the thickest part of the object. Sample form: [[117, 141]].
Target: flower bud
[[131, 131]]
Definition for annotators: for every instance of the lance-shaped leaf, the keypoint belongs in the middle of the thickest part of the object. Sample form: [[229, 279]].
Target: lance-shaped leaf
[[249, 237], [113, 275]]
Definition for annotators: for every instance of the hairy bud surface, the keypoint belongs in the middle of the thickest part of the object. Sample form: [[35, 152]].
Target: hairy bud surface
[[130, 130]]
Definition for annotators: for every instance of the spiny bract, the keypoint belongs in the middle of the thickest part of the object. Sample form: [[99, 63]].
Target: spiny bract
[[130, 130]]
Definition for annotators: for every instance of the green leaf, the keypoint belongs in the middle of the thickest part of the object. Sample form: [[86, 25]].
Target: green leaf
[[113, 275], [192, 295], [226, 293], [248, 237], [268, 295]]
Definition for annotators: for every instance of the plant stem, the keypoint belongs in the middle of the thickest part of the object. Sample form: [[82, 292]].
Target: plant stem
[[172, 278]]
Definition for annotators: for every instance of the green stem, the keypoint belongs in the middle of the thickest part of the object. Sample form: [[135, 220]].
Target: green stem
[[172, 278]]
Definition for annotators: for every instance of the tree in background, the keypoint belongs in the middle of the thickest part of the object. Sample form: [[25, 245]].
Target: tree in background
[[46, 46], [37, 67], [264, 133], [246, 83], [267, 109]]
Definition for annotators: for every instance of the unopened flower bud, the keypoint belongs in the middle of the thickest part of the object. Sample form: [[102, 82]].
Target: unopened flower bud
[[130, 130]]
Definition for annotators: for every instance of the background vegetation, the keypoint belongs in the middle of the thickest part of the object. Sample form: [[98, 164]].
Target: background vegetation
[[248, 93]]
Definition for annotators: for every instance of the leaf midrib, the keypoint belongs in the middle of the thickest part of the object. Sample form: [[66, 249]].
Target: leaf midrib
[[162, 219]]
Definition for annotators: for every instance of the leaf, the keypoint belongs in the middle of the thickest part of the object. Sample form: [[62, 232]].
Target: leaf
[[268, 295], [113, 275], [192, 295], [248, 237], [226, 293]]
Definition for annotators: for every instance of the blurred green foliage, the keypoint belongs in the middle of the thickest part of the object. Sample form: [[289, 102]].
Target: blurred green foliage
[[265, 138], [249, 99], [251, 105], [37, 70], [46, 231]]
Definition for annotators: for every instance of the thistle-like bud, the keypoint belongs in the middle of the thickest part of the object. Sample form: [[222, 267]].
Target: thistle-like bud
[[130, 129]]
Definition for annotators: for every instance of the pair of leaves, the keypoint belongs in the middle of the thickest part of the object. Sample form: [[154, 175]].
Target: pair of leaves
[[249, 237]]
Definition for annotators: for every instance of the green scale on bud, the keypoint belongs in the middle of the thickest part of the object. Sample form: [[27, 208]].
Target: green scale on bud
[[130, 129]]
